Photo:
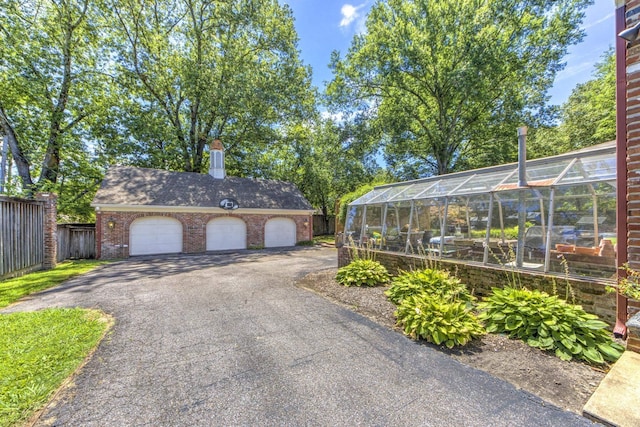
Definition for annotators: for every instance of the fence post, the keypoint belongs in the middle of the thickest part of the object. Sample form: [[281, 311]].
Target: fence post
[[50, 229]]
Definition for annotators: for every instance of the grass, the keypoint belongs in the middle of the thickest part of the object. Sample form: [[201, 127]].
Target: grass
[[38, 351], [328, 238], [12, 290]]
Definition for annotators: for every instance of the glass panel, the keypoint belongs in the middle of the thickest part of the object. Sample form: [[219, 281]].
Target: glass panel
[[416, 189], [482, 183], [542, 173], [587, 213], [458, 243], [595, 168], [353, 226], [373, 225], [427, 214], [370, 196], [392, 192], [394, 239], [444, 187]]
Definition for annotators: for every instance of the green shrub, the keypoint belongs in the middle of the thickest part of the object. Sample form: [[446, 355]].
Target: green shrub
[[363, 272], [549, 323], [438, 320], [430, 281]]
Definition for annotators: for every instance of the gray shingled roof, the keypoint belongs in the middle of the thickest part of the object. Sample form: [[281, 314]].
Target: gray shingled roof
[[128, 185]]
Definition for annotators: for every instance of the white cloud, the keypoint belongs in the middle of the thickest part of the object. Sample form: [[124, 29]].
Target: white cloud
[[583, 68], [599, 21], [349, 14]]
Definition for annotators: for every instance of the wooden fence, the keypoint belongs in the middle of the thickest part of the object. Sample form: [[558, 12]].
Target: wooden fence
[[21, 235], [323, 225], [76, 241]]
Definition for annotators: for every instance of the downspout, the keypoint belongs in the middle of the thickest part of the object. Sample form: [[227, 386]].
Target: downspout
[[620, 328], [98, 234], [522, 185]]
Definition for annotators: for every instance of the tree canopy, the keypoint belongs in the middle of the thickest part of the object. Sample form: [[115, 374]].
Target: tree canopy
[[194, 70], [450, 81], [50, 85], [588, 117], [431, 86]]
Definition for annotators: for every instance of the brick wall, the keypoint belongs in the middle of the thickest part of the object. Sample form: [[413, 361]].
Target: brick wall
[[590, 294], [632, 118], [633, 139], [114, 242], [50, 229]]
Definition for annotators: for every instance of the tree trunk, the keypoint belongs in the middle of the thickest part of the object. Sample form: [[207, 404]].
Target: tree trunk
[[22, 164]]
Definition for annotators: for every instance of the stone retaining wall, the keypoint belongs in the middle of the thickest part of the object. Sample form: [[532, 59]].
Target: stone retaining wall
[[590, 293]]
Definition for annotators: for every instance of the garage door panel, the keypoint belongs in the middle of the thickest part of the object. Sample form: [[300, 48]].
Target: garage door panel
[[279, 232], [226, 234], [155, 235]]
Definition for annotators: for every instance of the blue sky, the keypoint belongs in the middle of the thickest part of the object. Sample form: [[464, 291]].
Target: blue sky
[[327, 25]]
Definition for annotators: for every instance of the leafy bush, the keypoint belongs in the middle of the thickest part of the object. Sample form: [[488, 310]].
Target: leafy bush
[[549, 323], [363, 272], [430, 281], [438, 320]]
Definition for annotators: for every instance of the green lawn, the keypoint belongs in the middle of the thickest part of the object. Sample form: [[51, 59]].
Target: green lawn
[[39, 350], [13, 289]]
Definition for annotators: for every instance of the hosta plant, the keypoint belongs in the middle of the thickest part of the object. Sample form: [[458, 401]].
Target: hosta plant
[[363, 272], [437, 320], [430, 281], [549, 323]]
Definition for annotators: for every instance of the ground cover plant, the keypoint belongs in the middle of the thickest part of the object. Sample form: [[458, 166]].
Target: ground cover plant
[[549, 323], [13, 289], [429, 280], [438, 320], [363, 272], [435, 306], [38, 350]]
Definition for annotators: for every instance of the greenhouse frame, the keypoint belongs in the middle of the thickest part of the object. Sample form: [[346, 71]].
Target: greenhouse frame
[[561, 219]]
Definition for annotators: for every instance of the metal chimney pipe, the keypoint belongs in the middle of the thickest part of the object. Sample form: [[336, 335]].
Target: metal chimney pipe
[[522, 156]]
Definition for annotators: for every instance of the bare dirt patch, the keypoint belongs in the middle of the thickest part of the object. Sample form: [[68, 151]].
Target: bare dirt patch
[[567, 385]]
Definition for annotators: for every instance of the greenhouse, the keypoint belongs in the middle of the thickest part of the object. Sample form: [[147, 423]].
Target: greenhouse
[[560, 219]]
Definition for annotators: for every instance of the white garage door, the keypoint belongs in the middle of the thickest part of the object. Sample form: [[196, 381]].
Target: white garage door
[[155, 235], [279, 232], [226, 233]]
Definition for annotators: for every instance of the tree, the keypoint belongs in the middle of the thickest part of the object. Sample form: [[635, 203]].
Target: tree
[[321, 159], [194, 70], [448, 79], [49, 52], [587, 118]]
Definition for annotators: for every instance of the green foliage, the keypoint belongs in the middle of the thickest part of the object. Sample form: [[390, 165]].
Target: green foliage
[[588, 117], [38, 351], [53, 87], [549, 323], [450, 80], [197, 70], [429, 281], [438, 320], [629, 284], [363, 272], [496, 233], [13, 289], [353, 195]]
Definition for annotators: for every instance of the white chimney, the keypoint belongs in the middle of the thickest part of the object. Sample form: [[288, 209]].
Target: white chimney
[[216, 158]]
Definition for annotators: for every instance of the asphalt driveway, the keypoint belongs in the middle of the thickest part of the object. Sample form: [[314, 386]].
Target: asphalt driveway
[[222, 340]]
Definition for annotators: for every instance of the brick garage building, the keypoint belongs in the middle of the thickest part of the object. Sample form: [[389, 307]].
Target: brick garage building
[[143, 211]]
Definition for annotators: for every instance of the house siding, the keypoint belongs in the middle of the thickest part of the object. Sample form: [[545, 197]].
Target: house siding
[[113, 243]]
